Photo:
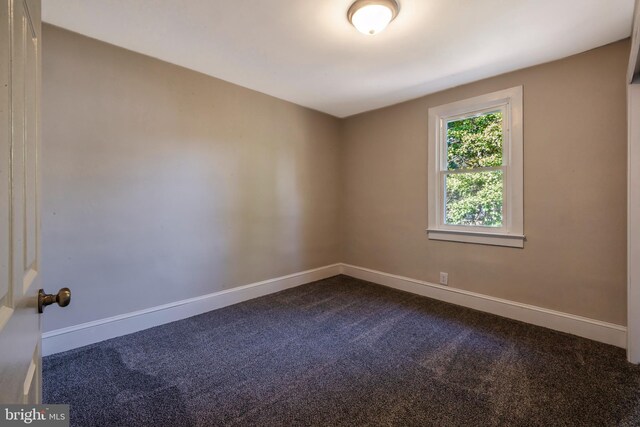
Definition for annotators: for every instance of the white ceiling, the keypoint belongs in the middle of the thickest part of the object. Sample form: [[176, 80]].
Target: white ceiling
[[305, 51]]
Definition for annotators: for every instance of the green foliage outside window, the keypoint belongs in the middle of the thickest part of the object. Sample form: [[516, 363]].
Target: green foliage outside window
[[474, 197]]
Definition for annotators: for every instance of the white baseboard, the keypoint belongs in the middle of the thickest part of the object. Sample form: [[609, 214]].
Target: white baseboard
[[596, 330], [99, 330]]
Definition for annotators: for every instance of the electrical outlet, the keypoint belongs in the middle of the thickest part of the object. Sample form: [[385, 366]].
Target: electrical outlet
[[444, 278]]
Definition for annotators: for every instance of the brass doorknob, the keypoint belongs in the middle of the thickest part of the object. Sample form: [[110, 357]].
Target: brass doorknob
[[63, 298]]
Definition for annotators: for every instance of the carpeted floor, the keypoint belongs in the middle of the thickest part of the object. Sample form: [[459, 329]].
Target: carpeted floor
[[345, 352]]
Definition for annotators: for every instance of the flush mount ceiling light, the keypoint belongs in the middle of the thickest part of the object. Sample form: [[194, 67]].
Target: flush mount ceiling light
[[372, 16]]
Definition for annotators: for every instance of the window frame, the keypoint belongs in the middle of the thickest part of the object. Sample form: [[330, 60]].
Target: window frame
[[511, 233]]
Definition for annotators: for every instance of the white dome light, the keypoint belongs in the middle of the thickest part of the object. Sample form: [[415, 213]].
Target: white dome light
[[372, 16]]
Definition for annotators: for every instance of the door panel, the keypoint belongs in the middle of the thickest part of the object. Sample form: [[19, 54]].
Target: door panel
[[31, 388], [20, 362], [5, 169], [31, 148]]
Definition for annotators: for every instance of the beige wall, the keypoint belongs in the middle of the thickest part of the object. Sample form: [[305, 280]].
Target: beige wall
[[161, 184], [574, 259]]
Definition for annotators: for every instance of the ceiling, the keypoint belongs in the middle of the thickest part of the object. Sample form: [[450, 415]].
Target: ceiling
[[306, 52]]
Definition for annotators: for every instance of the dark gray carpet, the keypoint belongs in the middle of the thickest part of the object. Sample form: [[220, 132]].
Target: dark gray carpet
[[345, 352]]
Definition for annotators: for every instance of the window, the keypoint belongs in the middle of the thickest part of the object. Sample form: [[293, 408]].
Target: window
[[475, 170]]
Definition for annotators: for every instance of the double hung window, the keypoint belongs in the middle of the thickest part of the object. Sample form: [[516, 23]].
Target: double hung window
[[476, 170]]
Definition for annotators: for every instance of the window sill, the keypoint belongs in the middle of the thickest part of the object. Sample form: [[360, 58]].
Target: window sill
[[494, 239]]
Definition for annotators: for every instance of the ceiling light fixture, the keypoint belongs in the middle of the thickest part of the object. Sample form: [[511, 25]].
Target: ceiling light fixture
[[372, 16]]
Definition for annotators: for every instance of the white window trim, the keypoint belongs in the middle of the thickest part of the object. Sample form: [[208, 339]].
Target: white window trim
[[512, 232]]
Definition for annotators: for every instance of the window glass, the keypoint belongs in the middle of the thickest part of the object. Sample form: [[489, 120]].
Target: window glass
[[474, 198], [475, 141]]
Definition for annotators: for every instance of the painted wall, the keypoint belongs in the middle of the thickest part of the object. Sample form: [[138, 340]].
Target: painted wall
[[575, 129], [161, 184]]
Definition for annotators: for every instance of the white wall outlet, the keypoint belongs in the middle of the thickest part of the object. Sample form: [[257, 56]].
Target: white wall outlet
[[444, 278]]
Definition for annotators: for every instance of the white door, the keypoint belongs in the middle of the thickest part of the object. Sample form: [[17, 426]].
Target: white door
[[20, 363]]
